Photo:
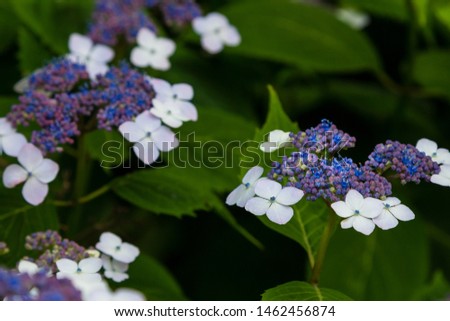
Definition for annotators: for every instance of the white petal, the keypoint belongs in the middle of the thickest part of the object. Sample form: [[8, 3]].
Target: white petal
[[371, 207], [257, 205], [27, 267], [212, 43], [289, 196], [354, 199], [140, 57], [427, 146], [46, 171], [279, 136], [12, 144], [90, 265], [253, 175], [148, 122], [200, 25], [354, 19], [341, 208], [162, 87], [159, 62], [132, 131], [280, 214], [445, 171], [147, 151], [385, 220], [231, 36], [14, 175], [440, 180], [119, 266], [269, 147], [216, 20], [402, 212], [108, 242], [79, 44], [443, 156], [67, 266], [127, 253], [127, 295], [30, 157], [116, 276], [348, 222], [164, 139], [165, 46], [169, 120], [145, 37], [267, 188], [234, 196], [392, 201], [363, 225], [102, 54], [187, 111], [6, 127], [34, 191], [183, 91], [96, 68], [247, 194], [106, 262]]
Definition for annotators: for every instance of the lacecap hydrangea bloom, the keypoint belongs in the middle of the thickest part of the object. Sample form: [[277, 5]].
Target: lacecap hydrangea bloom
[[359, 193]]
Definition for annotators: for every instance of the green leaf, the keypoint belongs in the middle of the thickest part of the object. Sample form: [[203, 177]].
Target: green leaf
[[54, 21], [18, 219], [394, 9], [302, 291], [32, 55], [387, 265], [306, 227], [430, 70], [437, 289], [108, 147], [154, 280], [298, 34]]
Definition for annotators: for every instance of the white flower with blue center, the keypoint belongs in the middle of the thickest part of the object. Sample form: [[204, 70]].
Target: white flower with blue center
[[152, 51], [443, 178], [11, 142], [216, 32], [430, 148], [35, 170], [241, 194], [149, 136], [393, 212], [112, 245], [94, 57], [85, 271], [114, 269], [358, 211], [274, 201], [277, 139]]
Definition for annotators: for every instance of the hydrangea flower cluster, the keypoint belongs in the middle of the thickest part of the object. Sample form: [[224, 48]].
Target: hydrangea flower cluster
[[68, 271], [359, 193]]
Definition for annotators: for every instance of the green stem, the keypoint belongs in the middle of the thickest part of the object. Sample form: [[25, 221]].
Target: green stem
[[84, 199], [323, 246]]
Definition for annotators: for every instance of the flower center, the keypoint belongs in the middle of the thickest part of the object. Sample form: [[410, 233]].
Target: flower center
[[148, 135], [356, 212], [78, 270], [117, 248], [272, 199], [247, 185], [387, 205]]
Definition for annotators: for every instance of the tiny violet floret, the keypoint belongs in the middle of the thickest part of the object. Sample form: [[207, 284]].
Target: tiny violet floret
[[216, 32], [94, 57], [35, 170], [114, 269], [11, 142], [274, 201], [152, 51], [112, 245], [277, 139], [393, 212], [443, 178], [430, 148], [149, 136], [358, 211], [241, 194]]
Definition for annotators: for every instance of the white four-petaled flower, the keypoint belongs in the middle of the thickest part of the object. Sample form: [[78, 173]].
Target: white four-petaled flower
[[170, 113], [430, 148], [274, 200], [36, 171], [28, 267], [114, 269], [241, 194], [392, 212], [215, 32], [443, 178], [149, 136], [94, 57], [152, 51], [112, 245], [358, 211], [277, 139], [11, 142], [86, 271]]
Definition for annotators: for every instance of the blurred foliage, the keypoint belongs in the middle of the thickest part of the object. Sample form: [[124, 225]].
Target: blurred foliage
[[387, 81]]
